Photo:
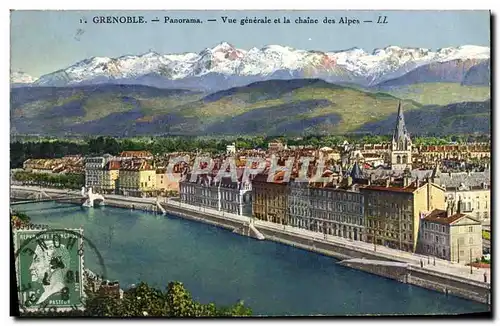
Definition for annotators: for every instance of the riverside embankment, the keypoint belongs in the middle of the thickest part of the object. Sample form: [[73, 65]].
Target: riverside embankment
[[438, 275]]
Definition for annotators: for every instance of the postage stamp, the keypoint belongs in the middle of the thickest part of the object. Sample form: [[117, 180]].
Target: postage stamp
[[49, 266]]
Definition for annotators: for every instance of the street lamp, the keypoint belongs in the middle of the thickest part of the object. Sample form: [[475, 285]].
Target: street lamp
[[470, 258]]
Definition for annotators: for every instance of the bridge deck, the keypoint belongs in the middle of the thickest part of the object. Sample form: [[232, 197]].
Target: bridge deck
[[42, 200]]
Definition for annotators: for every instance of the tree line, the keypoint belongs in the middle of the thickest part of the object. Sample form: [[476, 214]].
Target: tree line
[[49, 148], [61, 181], [146, 301]]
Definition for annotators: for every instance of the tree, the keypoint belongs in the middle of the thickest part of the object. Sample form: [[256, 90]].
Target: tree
[[144, 300]]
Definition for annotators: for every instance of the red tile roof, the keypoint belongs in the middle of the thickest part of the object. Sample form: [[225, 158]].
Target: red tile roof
[[136, 154], [113, 165], [136, 165], [390, 189], [440, 216]]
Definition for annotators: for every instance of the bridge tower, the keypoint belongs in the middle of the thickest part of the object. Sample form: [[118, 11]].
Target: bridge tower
[[91, 198]]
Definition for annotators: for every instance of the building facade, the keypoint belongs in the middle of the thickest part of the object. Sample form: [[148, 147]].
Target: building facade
[[200, 192], [434, 153], [452, 236], [392, 213], [337, 211], [475, 201], [167, 183], [224, 195], [137, 177], [110, 176], [472, 189], [270, 199], [95, 171], [299, 201]]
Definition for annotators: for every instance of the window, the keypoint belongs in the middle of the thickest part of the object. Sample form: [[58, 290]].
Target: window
[[437, 239], [471, 229]]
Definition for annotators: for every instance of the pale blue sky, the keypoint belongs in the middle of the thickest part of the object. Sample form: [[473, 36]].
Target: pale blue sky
[[45, 41]]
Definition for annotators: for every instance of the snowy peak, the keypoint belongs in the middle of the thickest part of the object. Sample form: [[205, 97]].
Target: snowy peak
[[351, 65], [19, 77], [223, 47], [464, 52]]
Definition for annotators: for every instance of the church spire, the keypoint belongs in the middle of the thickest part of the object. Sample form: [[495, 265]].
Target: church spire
[[401, 146], [400, 137]]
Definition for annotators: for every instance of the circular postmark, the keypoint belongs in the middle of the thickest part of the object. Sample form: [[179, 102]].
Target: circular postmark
[[50, 269]]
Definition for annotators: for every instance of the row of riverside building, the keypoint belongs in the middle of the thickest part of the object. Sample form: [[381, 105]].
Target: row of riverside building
[[407, 210], [409, 216], [132, 173]]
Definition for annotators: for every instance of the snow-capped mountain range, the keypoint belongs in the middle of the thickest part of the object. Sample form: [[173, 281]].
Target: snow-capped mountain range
[[225, 66], [19, 77]]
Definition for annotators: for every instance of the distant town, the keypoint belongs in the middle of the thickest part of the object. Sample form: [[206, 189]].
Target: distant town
[[428, 199]]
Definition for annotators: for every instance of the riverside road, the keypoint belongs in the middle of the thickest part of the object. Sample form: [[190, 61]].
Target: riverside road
[[451, 269]]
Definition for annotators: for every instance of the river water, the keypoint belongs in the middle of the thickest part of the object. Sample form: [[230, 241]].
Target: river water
[[218, 266]]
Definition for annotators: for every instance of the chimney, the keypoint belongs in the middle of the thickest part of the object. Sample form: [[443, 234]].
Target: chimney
[[388, 182], [448, 209], [453, 207], [406, 181], [459, 208], [349, 181]]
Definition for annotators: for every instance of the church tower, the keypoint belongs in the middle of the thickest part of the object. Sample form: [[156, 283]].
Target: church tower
[[401, 146]]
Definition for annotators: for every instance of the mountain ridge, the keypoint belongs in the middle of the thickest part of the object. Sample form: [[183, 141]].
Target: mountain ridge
[[277, 106], [229, 66]]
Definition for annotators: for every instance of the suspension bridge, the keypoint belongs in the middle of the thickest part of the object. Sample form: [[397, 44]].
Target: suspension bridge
[[40, 199], [86, 197]]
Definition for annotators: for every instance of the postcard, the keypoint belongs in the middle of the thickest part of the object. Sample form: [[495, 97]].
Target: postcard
[[275, 163]]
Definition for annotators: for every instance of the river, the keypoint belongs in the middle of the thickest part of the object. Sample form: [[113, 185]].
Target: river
[[218, 266]]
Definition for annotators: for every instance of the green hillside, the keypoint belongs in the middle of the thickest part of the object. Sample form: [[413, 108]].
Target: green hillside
[[355, 107], [439, 93], [299, 106]]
